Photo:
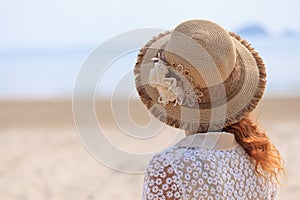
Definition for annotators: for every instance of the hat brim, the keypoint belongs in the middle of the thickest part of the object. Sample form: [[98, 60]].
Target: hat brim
[[216, 116]]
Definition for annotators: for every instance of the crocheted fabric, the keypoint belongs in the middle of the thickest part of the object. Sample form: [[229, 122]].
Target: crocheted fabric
[[201, 173]]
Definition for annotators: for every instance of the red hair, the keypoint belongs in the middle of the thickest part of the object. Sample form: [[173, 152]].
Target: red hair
[[258, 146]]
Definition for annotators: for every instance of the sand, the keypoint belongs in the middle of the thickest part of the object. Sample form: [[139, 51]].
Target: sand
[[43, 157]]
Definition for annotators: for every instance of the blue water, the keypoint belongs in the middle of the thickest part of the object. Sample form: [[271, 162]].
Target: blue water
[[35, 73]]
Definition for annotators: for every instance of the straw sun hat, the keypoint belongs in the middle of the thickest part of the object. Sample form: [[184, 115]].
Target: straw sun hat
[[199, 77]]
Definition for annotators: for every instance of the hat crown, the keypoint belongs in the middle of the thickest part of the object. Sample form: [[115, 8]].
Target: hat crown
[[204, 47]]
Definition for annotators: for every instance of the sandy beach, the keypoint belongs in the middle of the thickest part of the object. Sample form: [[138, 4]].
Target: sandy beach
[[43, 157]]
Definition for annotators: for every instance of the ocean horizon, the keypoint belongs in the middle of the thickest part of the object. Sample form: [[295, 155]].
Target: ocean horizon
[[51, 72]]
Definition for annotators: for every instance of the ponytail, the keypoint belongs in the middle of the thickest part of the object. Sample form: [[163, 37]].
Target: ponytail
[[258, 147]]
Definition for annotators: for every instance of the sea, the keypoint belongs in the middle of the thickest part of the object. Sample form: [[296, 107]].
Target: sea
[[52, 72]]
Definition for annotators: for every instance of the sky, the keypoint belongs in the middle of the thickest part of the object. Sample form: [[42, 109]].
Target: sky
[[39, 23]]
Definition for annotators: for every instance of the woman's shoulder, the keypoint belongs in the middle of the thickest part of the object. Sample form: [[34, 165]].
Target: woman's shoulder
[[166, 154], [174, 155], [180, 158], [174, 152]]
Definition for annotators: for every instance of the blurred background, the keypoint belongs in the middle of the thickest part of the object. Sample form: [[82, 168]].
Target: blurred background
[[43, 45]]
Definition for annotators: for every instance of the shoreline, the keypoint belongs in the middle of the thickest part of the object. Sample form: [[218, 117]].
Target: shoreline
[[59, 111]]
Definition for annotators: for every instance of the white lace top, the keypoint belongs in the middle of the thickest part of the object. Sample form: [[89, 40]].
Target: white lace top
[[205, 166]]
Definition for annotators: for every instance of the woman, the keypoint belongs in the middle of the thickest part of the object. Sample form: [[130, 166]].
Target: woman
[[205, 80]]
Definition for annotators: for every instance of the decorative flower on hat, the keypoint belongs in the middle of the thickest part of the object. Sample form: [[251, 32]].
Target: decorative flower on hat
[[171, 89], [166, 87]]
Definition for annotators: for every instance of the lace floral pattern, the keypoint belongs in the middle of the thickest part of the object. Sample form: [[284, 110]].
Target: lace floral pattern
[[197, 173]]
